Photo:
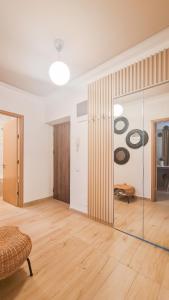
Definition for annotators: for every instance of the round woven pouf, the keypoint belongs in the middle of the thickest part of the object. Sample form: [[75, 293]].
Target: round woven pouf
[[15, 248]]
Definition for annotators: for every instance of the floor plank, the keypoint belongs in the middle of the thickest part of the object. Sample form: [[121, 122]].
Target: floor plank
[[75, 258]]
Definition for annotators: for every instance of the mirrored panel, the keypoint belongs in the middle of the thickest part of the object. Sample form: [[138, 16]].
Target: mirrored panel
[[156, 165], [129, 139]]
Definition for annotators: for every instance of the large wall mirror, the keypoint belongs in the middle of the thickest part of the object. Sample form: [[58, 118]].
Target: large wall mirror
[[128, 177], [156, 165], [141, 182]]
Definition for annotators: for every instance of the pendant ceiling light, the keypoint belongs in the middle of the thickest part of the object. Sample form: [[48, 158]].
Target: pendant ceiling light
[[59, 72]]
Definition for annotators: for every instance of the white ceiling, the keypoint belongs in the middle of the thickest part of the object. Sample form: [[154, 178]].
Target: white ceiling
[[94, 31]]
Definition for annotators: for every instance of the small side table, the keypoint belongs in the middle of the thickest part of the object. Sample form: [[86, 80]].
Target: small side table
[[124, 190]]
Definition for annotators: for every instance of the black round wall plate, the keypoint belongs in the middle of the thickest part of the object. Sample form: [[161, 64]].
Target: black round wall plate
[[137, 138], [121, 156], [122, 123]]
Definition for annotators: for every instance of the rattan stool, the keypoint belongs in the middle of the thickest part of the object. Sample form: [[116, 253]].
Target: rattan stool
[[124, 190], [15, 248]]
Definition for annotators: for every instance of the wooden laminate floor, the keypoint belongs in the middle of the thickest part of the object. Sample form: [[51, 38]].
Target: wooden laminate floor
[[144, 218], [76, 258]]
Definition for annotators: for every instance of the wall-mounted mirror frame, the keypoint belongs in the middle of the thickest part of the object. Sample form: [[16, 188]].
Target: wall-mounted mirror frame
[[154, 109]]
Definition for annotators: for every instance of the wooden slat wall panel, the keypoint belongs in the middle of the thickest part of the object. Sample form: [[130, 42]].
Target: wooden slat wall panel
[[100, 203], [150, 71]]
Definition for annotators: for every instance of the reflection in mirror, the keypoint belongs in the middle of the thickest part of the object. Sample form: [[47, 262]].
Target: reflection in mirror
[[128, 176], [121, 124], [156, 165], [135, 138], [121, 155]]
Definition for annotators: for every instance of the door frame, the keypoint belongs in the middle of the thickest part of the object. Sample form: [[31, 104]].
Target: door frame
[[154, 156], [20, 149]]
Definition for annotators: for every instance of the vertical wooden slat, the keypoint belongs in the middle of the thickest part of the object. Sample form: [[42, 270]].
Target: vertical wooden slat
[[114, 84], [104, 146], [164, 67], [134, 77], [148, 72], [155, 67], [110, 147], [142, 74], [102, 213], [100, 148], [106, 215], [103, 149], [121, 82], [94, 149], [167, 64], [89, 149], [138, 76], [127, 81], [124, 83], [130, 78], [159, 71], [118, 82]]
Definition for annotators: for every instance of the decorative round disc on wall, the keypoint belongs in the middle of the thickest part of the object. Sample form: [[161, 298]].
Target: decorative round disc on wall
[[121, 156], [137, 138], [121, 124]]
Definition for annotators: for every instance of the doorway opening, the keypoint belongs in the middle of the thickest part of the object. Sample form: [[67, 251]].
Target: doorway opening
[[61, 161], [11, 158], [160, 159]]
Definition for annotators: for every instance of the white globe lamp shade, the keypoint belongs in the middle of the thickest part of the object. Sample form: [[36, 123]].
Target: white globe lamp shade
[[59, 73], [118, 110]]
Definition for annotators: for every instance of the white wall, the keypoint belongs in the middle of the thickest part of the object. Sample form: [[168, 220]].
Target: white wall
[[79, 164], [139, 113], [37, 141], [66, 106]]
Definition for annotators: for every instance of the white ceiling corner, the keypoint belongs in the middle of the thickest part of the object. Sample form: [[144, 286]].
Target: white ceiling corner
[[93, 32]]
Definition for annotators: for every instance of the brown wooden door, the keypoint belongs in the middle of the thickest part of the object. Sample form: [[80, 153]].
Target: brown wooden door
[[62, 162], [10, 157]]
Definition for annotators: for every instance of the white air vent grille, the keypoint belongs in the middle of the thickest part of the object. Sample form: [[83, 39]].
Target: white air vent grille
[[82, 108]]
